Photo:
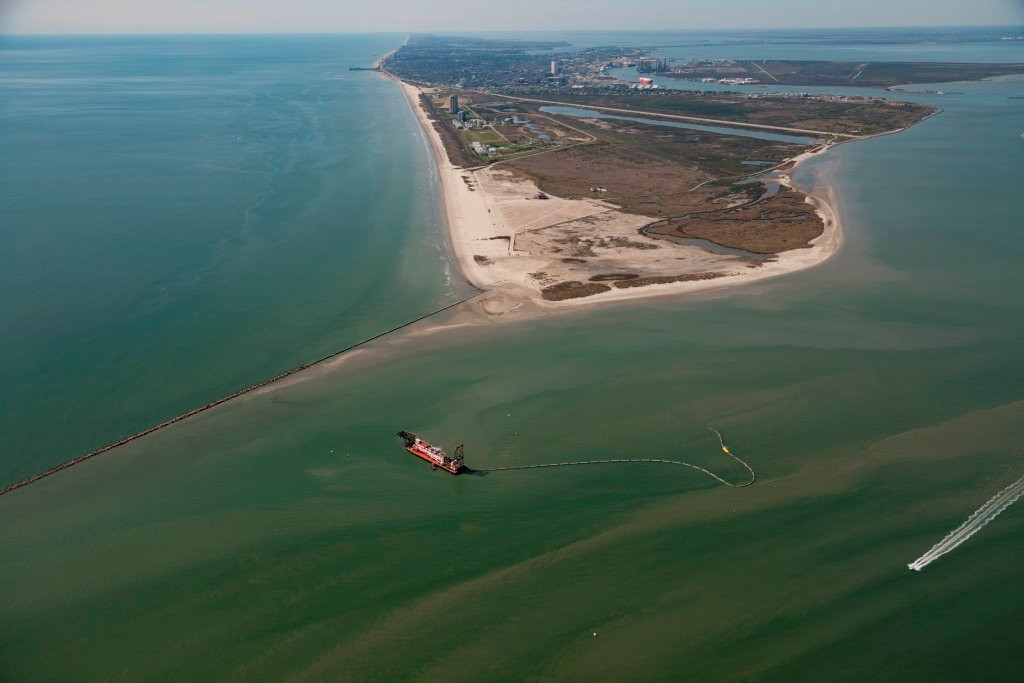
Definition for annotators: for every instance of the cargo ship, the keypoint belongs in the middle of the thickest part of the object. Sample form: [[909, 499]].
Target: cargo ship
[[432, 454]]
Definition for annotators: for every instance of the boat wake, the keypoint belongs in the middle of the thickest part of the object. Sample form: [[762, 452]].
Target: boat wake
[[975, 523]]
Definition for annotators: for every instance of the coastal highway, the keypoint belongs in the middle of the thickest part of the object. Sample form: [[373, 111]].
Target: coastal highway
[[679, 117]]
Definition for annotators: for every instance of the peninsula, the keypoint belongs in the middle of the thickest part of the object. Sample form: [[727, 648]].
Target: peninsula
[[858, 74], [563, 187]]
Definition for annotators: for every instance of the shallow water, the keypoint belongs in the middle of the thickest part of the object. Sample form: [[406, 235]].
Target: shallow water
[[878, 396], [185, 216]]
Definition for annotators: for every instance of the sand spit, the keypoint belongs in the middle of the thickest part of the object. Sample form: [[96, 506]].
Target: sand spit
[[511, 245]]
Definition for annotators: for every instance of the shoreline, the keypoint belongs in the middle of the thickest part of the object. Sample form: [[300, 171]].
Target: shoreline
[[496, 299], [281, 380], [470, 219]]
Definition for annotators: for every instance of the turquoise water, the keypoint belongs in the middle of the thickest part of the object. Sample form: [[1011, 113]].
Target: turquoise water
[[878, 396], [185, 216]]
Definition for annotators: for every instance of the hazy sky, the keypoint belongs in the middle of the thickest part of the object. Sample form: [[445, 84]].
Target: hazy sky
[[233, 16]]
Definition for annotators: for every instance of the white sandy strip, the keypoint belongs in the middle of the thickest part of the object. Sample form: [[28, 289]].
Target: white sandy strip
[[466, 211], [472, 225]]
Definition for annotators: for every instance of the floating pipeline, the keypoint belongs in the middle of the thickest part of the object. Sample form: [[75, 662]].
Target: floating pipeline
[[224, 399], [721, 442]]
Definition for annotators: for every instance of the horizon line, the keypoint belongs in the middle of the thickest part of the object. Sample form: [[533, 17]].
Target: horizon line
[[503, 31]]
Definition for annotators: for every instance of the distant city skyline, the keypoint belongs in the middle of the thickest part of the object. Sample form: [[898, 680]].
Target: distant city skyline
[[325, 16]]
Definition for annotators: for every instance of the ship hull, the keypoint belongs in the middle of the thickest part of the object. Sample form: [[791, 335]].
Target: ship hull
[[447, 467]]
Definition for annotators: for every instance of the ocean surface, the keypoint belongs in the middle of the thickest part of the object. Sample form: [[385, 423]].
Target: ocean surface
[[160, 260], [185, 216]]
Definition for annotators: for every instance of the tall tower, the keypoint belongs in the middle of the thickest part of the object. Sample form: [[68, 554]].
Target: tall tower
[[453, 104], [554, 67]]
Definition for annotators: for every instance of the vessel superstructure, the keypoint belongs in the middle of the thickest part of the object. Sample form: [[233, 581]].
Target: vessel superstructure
[[432, 454]]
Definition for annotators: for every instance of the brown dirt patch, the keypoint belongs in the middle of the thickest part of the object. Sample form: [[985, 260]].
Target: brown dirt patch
[[637, 182], [780, 223], [665, 279], [572, 290], [605, 277]]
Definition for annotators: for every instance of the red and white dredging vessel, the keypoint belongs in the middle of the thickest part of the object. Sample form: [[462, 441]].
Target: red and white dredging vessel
[[432, 454]]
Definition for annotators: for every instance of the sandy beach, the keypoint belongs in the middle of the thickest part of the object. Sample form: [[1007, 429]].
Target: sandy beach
[[497, 230]]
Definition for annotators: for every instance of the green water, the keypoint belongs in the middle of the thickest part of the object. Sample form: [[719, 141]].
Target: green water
[[186, 216], [287, 535]]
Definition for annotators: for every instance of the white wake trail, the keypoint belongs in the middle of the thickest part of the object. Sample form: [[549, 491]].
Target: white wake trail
[[975, 523]]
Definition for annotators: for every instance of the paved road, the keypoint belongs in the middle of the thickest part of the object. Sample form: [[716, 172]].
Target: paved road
[[678, 117]]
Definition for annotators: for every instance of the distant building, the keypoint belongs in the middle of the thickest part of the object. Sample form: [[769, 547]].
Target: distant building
[[453, 104], [463, 115], [651, 64], [554, 67]]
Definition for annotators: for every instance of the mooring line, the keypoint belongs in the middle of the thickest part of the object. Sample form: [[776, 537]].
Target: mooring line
[[224, 399], [721, 441]]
